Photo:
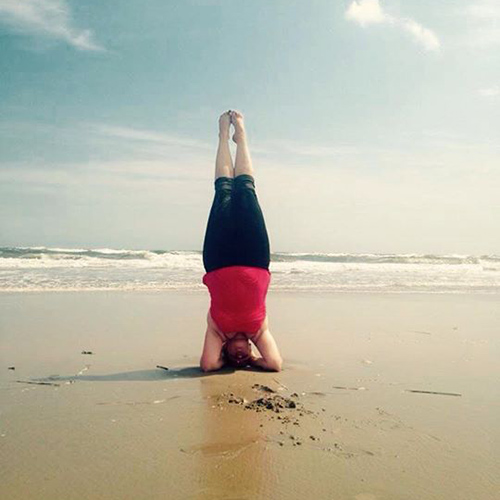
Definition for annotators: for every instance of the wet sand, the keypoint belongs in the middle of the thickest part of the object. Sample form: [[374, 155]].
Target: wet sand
[[110, 425]]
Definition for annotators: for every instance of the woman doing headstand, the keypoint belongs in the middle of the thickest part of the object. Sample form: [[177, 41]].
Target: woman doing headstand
[[236, 257]]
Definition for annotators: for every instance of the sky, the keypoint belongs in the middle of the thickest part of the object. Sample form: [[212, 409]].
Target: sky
[[373, 125]]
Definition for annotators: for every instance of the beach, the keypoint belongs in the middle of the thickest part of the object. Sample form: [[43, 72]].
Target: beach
[[382, 396], [328, 170]]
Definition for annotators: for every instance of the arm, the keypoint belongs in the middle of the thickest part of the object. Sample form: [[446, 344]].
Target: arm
[[271, 358], [211, 358]]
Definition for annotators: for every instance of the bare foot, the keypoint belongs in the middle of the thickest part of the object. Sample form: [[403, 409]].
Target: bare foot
[[224, 123], [239, 126]]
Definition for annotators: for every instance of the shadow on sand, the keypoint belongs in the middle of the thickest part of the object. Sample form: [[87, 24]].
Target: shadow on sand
[[141, 375]]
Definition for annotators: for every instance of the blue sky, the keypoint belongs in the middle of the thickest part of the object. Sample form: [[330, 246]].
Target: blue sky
[[373, 124]]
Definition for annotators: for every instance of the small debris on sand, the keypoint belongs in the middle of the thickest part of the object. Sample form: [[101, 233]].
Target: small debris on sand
[[289, 410], [236, 400], [300, 425], [349, 388], [274, 403], [87, 352], [37, 383], [434, 392], [83, 370], [11, 368], [162, 367], [263, 388]]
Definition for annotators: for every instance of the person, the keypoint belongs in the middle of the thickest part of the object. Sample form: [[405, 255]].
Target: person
[[236, 257]]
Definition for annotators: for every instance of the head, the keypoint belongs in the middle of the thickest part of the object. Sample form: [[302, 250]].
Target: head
[[238, 350]]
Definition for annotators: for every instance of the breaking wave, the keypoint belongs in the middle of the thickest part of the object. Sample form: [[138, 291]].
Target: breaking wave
[[42, 268]]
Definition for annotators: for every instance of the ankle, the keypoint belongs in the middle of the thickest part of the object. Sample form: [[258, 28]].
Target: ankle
[[240, 136], [223, 136]]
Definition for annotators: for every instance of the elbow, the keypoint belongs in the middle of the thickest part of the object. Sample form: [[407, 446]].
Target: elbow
[[207, 366], [276, 366]]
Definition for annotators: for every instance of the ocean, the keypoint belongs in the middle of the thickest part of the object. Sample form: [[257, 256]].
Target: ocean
[[40, 269]]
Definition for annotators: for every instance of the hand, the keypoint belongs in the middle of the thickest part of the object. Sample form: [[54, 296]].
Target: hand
[[252, 360]]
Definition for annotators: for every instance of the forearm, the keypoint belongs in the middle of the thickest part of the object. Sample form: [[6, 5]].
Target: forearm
[[211, 358], [265, 365], [271, 358]]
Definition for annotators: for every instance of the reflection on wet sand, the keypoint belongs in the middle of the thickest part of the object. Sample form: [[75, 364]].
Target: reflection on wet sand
[[233, 459]]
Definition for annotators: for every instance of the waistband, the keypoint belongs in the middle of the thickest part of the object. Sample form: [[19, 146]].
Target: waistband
[[243, 180]]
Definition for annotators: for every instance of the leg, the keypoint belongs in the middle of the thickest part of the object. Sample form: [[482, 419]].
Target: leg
[[223, 161], [243, 162], [218, 245], [252, 246], [251, 238]]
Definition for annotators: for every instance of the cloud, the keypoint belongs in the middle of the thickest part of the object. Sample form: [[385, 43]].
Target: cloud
[[485, 9], [152, 145], [366, 12], [483, 18], [149, 136], [160, 143], [47, 18], [276, 148], [421, 35], [489, 92]]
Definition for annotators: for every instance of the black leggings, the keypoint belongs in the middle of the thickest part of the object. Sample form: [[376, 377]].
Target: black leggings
[[236, 233]]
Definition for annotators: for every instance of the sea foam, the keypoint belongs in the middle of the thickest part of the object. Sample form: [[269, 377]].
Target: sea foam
[[73, 269]]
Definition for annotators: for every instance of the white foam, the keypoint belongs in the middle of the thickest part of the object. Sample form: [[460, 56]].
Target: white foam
[[41, 268], [64, 250]]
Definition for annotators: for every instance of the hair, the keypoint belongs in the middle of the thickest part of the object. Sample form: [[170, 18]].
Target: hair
[[230, 360]]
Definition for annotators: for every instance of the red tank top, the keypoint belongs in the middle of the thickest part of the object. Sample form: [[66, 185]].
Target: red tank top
[[238, 297]]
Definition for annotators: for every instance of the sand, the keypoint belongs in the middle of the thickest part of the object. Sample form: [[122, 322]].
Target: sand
[[110, 425]]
